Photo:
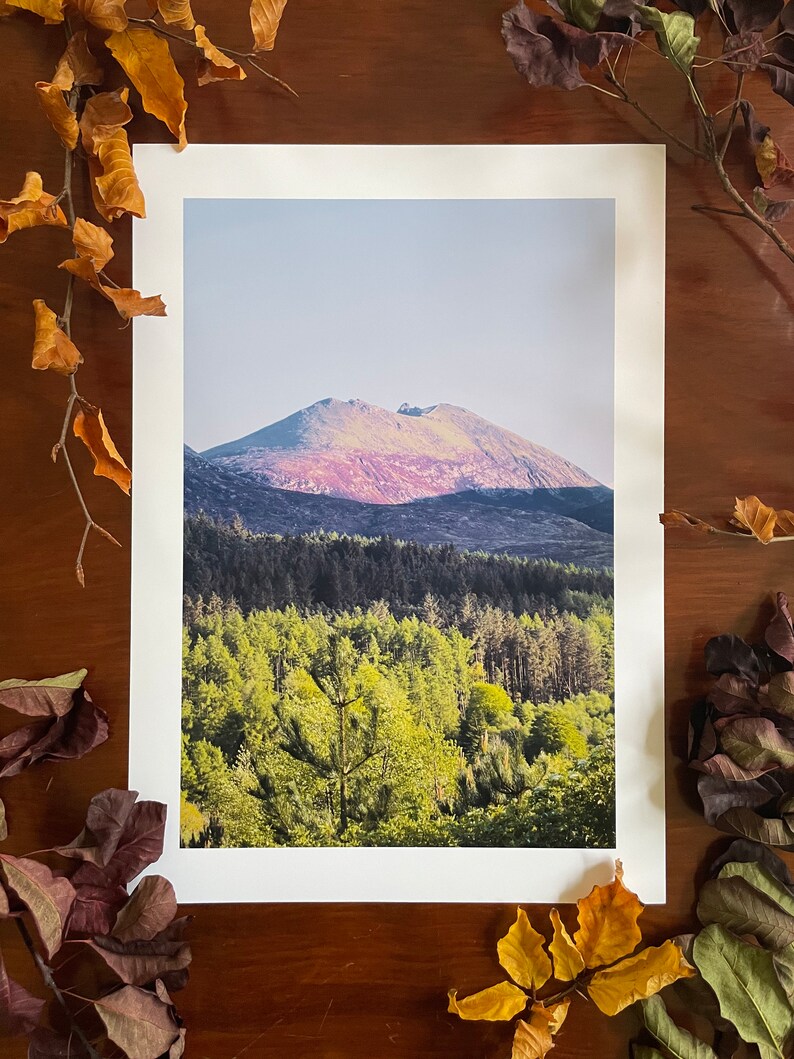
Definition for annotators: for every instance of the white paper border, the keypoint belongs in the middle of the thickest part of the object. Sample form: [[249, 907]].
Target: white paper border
[[632, 175]]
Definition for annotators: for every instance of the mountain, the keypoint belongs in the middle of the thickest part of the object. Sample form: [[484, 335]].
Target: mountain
[[358, 451], [569, 525]]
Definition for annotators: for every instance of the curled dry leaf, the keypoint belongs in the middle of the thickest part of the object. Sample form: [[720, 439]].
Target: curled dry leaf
[[214, 65], [128, 302], [146, 59], [785, 519], [772, 165], [102, 115], [532, 1039], [608, 922], [674, 519], [77, 66], [265, 18], [568, 961], [89, 426], [62, 738], [32, 207], [755, 516], [98, 901], [104, 14], [779, 633], [61, 118], [47, 897], [148, 912], [50, 697], [522, 955], [92, 242], [165, 956], [138, 1022], [679, 1042], [176, 13], [50, 10], [498, 1003], [114, 184], [52, 347], [638, 977], [20, 1011]]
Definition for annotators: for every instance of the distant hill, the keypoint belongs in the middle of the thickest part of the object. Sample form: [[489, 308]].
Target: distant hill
[[357, 451]]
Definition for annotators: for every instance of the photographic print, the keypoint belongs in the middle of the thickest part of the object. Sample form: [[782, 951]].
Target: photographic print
[[399, 503]]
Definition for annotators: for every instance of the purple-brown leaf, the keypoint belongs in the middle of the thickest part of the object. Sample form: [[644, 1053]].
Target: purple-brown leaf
[[752, 16], [743, 52], [756, 131], [142, 962], [51, 697], [730, 654], [138, 1022], [55, 738], [732, 694], [779, 633], [20, 1011], [746, 852], [539, 52], [121, 835], [97, 903], [755, 742], [719, 795], [46, 1044], [106, 818], [148, 912], [47, 897]]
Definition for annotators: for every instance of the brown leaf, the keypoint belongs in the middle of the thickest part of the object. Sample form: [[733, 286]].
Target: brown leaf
[[104, 14], [215, 66], [98, 900], [47, 897], [756, 517], [138, 1022], [103, 115], [61, 118], [52, 347], [265, 17], [50, 10], [148, 912], [176, 13], [497, 1003], [50, 697], [675, 519], [177, 1049], [522, 955], [638, 977], [128, 302], [115, 183], [608, 922], [20, 1011], [92, 242], [77, 66], [785, 522], [146, 59], [772, 165], [121, 835], [54, 739], [32, 207], [90, 427], [779, 634], [142, 962], [3, 837], [568, 962]]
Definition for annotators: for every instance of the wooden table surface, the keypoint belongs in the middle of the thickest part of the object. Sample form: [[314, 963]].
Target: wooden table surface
[[370, 981]]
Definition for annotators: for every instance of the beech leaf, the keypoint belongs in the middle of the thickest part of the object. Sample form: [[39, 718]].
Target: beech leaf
[[531, 1041], [93, 243], [755, 516], [52, 347], [77, 66], [90, 427], [675, 35], [50, 10], [522, 955], [568, 962], [608, 922], [114, 184], [265, 18], [20, 1010], [176, 13], [676, 519], [61, 118], [104, 14], [214, 65], [149, 910], [638, 977], [755, 742], [146, 59], [50, 697], [680, 1043], [47, 897], [747, 988], [734, 903], [497, 1003], [141, 962], [128, 302], [31, 208], [784, 518], [102, 116], [138, 1022]]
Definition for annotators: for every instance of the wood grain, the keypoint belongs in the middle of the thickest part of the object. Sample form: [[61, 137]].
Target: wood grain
[[344, 981]]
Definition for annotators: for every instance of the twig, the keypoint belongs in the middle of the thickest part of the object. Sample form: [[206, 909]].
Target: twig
[[626, 98], [700, 207], [734, 111]]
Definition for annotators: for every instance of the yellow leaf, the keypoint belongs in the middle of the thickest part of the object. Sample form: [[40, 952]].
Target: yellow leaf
[[177, 13], [498, 1003], [90, 427], [52, 348], [77, 65], [638, 977], [92, 242], [531, 1042], [265, 18], [214, 65], [32, 207], [521, 954], [57, 110], [772, 165], [608, 922], [104, 14], [756, 517], [147, 61], [559, 1013], [50, 10], [785, 521], [128, 302], [568, 962]]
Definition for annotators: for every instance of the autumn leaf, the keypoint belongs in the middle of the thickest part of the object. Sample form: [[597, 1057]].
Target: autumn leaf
[[20, 1011], [638, 977], [176, 13], [755, 516], [265, 18], [146, 59], [522, 955], [61, 118], [498, 1003], [214, 65], [115, 183], [102, 116], [608, 922], [128, 302], [149, 910], [674, 519], [52, 347], [50, 10], [32, 207], [531, 1042], [93, 243], [167, 955], [772, 165], [138, 1022], [77, 66], [89, 426], [784, 521], [50, 697], [104, 14], [568, 962], [47, 897], [122, 836]]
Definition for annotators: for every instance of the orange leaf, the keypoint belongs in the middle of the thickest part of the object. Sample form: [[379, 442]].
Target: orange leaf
[[674, 519], [32, 207], [128, 302], [522, 955], [52, 348], [531, 1041], [104, 14], [77, 66], [115, 185], [215, 66], [756, 517], [57, 110], [92, 242], [177, 13], [146, 59], [103, 115], [638, 977], [568, 962], [772, 165], [498, 1003], [90, 427], [785, 521], [265, 18], [50, 10], [608, 922]]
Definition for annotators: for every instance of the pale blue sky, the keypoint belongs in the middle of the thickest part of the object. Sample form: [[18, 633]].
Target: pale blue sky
[[503, 306]]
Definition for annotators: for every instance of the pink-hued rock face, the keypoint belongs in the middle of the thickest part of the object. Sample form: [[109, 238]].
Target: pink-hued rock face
[[361, 452]]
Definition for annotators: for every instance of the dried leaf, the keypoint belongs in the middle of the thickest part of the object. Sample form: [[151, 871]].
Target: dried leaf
[[522, 955], [545, 51], [90, 427], [61, 118], [47, 897], [31, 208], [773, 168], [3, 837], [638, 977], [50, 697], [732, 694], [52, 347], [45, 1044], [148, 912], [146, 59], [265, 18], [782, 80], [779, 633], [115, 183], [498, 1003], [785, 519], [744, 51], [725, 768], [755, 742], [583, 13], [733, 902], [608, 922], [50, 10], [104, 14], [215, 66], [93, 243], [142, 962], [568, 962], [765, 881], [138, 1022], [752, 16], [675, 35], [730, 654], [678, 1042], [176, 13], [676, 519], [781, 693], [756, 517], [128, 302], [77, 66], [749, 824], [755, 130], [102, 116], [20, 1011], [719, 795], [742, 852], [54, 739], [98, 901], [531, 1041]]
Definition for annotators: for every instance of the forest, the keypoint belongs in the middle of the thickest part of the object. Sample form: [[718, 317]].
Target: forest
[[343, 691]]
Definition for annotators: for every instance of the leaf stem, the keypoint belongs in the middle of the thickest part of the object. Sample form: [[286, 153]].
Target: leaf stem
[[734, 111], [626, 98]]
